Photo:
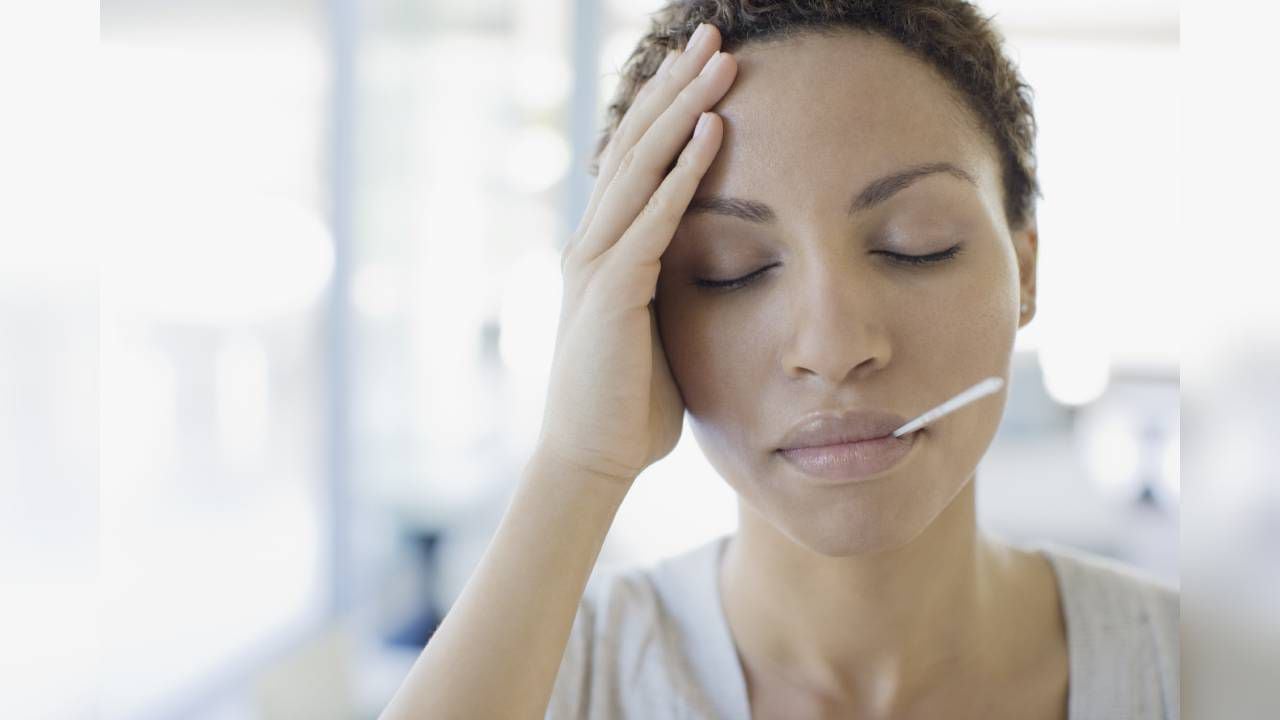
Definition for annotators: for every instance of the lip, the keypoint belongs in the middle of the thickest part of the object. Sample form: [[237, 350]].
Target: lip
[[841, 446], [832, 427], [852, 461]]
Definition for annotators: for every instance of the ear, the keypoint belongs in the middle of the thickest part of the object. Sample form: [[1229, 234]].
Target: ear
[[1025, 244]]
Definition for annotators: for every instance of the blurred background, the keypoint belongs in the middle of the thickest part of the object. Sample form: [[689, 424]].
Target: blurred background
[[325, 319]]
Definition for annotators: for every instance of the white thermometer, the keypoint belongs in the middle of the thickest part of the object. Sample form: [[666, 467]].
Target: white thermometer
[[982, 389]]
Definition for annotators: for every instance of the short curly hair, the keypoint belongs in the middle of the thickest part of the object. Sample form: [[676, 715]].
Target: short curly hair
[[950, 35]]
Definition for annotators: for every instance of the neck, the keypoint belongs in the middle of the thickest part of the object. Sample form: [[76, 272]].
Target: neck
[[879, 625]]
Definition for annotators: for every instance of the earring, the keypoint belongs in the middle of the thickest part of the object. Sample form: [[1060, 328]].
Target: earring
[[1024, 308]]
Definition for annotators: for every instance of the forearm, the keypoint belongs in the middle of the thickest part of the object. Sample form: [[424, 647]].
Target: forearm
[[497, 651]]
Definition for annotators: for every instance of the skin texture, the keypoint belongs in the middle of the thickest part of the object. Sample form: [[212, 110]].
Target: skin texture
[[880, 598]]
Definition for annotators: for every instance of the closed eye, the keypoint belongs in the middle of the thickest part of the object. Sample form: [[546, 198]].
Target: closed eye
[[923, 259], [730, 284], [911, 260]]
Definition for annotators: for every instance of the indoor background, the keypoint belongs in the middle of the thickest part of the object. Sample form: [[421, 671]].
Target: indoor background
[[325, 336]]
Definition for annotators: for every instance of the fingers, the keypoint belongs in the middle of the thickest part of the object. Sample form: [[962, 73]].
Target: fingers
[[678, 70], [704, 43], [648, 236], [645, 164], [647, 88], [605, 171]]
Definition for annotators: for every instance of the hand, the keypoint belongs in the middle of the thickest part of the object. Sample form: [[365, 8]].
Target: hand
[[612, 406]]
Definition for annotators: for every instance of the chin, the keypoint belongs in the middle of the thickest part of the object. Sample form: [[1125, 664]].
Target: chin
[[836, 531], [877, 517]]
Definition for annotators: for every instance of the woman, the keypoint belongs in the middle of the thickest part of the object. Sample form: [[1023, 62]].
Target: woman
[[850, 232]]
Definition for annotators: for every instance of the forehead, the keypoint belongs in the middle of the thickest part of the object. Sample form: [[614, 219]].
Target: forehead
[[812, 118]]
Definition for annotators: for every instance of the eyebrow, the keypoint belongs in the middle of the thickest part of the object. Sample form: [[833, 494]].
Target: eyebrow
[[876, 192]]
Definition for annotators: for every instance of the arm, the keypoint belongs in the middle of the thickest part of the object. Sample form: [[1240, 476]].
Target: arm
[[497, 652], [612, 410]]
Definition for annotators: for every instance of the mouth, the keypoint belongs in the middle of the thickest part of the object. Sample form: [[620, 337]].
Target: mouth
[[852, 461]]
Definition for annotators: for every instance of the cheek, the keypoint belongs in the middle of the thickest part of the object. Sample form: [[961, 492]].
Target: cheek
[[966, 335], [989, 307], [713, 357], [975, 323], [969, 322]]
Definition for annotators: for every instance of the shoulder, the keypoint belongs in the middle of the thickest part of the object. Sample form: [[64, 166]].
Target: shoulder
[[615, 609], [673, 590], [627, 645], [1115, 592], [1123, 631]]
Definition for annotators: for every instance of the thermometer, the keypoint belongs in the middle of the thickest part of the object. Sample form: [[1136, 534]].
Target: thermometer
[[982, 389]]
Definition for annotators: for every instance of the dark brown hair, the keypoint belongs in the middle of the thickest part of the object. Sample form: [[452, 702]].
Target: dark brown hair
[[950, 35]]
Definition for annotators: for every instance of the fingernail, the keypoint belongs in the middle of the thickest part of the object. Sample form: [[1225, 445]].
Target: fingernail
[[703, 120], [699, 36]]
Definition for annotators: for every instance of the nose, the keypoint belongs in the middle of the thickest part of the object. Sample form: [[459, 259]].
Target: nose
[[838, 329]]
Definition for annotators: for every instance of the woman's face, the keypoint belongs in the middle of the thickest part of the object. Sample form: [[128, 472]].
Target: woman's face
[[835, 323]]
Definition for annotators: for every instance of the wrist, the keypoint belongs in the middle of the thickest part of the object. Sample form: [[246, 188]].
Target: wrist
[[550, 465]]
